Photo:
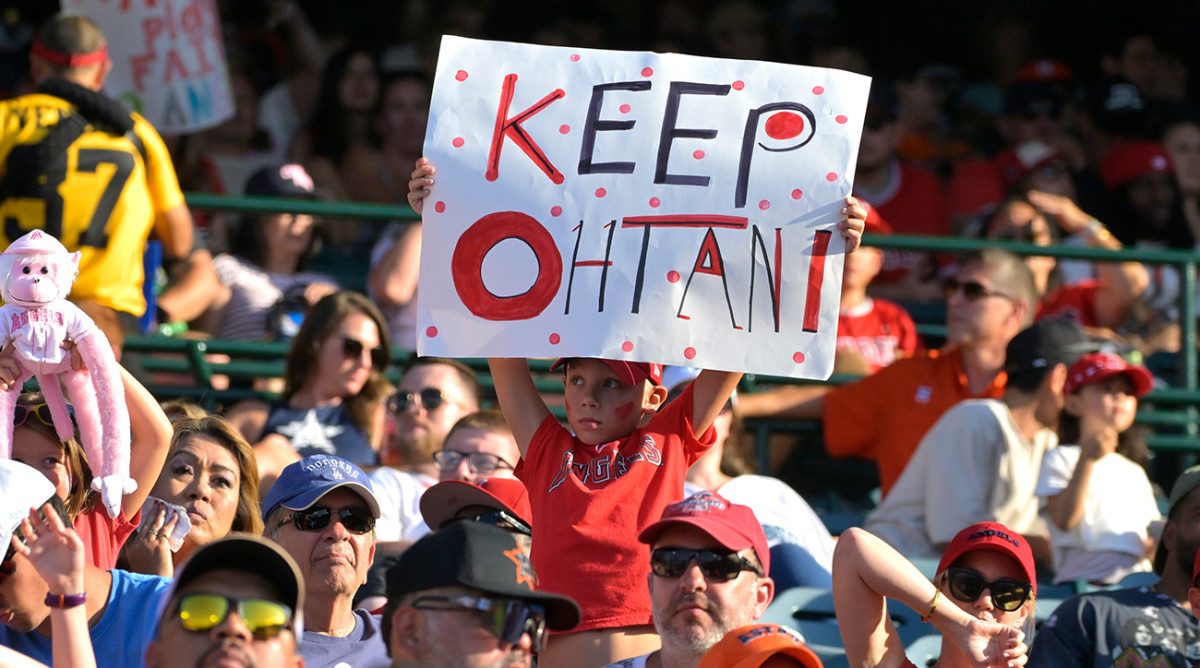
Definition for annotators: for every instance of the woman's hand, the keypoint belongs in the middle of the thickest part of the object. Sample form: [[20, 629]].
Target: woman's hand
[[148, 550], [1069, 216], [54, 549], [10, 369], [418, 187], [989, 644], [313, 292]]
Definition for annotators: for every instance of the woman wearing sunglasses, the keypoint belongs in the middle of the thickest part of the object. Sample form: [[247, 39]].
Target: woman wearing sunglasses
[[983, 593], [36, 443], [212, 476], [334, 388]]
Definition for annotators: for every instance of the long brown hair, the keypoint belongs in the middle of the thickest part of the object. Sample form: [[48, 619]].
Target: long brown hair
[[318, 325], [248, 517]]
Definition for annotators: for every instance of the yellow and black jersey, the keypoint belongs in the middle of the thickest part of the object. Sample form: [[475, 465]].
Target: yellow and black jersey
[[102, 200]]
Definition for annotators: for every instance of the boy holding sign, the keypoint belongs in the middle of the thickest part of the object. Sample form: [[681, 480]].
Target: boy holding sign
[[594, 487]]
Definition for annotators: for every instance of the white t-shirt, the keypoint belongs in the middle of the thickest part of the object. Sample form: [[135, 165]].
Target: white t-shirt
[[1109, 542], [785, 516], [399, 494], [973, 465]]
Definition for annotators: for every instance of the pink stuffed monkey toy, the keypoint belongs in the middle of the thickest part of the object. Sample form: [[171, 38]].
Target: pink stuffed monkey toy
[[36, 273]]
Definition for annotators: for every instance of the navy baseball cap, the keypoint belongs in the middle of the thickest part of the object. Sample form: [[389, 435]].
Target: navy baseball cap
[[303, 483]]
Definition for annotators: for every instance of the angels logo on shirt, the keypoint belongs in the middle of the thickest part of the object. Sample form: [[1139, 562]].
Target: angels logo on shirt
[[608, 466]]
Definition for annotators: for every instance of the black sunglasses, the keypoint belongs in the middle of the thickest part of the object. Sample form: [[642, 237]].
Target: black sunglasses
[[264, 618], [316, 518], [717, 565], [1007, 594], [972, 290], [431, 399], [506, 618], [353, 349], [496, 518], [477, 462]]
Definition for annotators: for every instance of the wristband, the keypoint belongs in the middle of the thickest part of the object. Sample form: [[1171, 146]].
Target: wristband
[[63, 601], [1098, 231], [937, 594]]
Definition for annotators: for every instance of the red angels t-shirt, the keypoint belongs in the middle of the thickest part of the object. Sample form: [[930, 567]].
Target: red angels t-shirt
[[914, 206], [1076, 302], [103, 536], [590, 503], [878, 331]]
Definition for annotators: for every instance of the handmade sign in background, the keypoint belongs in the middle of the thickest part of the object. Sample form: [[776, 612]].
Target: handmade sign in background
[[168, 60], [640, 206]]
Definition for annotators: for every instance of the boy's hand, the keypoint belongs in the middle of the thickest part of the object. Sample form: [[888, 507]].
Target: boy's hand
[[55, 550], [418, 187], [852, 225]]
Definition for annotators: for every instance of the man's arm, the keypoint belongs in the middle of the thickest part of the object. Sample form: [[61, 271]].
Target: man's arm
[[793, 402], [710, 391], [519, 398], [175, 229]]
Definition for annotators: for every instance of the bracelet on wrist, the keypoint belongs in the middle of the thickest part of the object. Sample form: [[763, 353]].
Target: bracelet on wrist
[[64, 601], [937, 595], [1098, 231]]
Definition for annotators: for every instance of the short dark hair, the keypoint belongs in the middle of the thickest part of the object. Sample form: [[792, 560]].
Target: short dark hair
[[466, 374]]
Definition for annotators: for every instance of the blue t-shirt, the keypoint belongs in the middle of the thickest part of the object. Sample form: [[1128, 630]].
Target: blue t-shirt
[[363, 648], [324, 430], [120, 637]]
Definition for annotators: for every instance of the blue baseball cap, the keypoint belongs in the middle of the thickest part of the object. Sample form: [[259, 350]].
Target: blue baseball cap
[[303, 483]]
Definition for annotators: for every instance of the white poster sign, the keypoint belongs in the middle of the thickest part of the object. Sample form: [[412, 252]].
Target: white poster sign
[[168, 60], [640, 206]]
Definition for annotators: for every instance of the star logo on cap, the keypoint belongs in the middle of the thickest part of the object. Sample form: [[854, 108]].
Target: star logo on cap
[[524, 568]]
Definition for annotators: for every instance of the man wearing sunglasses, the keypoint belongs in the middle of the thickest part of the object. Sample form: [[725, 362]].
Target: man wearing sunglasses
[[238, 601], [465, 595], [1137, 625], [980, 461], [322, 512], [120, 606], [433, 394], [708, 575]]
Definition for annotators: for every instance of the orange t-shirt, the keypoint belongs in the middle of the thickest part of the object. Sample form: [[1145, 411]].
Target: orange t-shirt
[[884, 416]]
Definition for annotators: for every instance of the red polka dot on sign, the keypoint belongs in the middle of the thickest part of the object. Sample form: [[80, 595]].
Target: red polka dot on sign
[[798, 358], [698, 154], [797, 193], [689, 352], [627, 346], [784, 125], [739, 84], [840, 118], [625, 108], [458, 142], [461, 75], [431, 331], [673, 276], [555, 338], [574, 57], [831, 177], [817, 90], [601, 192], [655, 202], [647, 71], [764, 204], [556, 211], [440, 207], [564, 129]]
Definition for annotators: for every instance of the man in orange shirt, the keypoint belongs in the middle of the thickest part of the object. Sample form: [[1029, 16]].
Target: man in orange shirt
[[883, 416]]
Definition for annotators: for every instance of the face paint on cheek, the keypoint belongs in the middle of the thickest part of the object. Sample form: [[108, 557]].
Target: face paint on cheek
[[624, 410]]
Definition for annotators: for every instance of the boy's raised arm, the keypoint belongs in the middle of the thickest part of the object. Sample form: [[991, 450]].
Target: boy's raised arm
[[710, 391], [520, 401]]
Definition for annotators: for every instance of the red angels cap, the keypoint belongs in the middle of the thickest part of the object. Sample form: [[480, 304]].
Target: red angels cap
[[751, 646], [1131, 159], [730, 524], [1014, 163], [443, 501], [630, 373], [1098, 367], [994, 537]]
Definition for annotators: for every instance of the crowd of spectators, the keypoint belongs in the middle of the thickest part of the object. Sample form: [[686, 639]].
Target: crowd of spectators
[[635, 532]]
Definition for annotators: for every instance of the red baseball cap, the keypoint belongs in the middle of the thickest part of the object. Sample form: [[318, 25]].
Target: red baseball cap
[[1017, 162], [750, 647], [1131, 159], [443, 501], [874, 223], [730, 524], [994, 537], [630, 373], [1098, 367]]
